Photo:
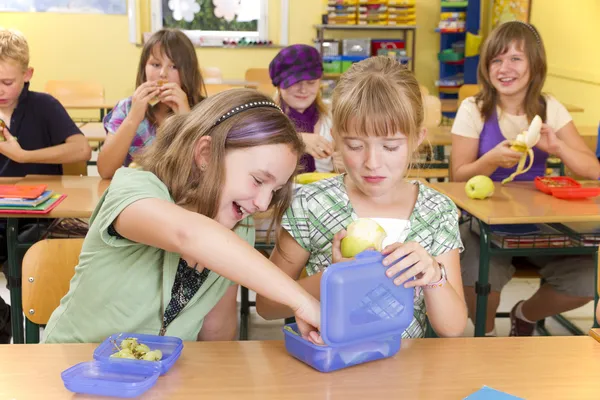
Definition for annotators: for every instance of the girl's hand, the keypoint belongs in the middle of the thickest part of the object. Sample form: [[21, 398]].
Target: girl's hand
[[317, 146], [308, 318], [174, 97], [139, 101], [414, 261], [503, 156], [336, 247], [549, 142]]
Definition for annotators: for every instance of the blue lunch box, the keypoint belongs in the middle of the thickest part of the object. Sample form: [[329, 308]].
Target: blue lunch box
[[120, 377], [363, 315]]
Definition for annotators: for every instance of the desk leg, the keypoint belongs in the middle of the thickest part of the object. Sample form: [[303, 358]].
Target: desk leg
[[482, 286], [14, 280]]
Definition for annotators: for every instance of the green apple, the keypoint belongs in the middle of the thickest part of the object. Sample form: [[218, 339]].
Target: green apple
[[364, 233], [480, 187]]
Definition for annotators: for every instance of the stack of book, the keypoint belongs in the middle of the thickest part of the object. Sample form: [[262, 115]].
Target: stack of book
[[28, 199]]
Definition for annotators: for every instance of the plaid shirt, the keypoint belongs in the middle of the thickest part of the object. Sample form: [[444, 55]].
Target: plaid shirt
[[144, 135], [322, 209]]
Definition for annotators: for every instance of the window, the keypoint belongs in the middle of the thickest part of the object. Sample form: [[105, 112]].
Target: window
[[209, 22]]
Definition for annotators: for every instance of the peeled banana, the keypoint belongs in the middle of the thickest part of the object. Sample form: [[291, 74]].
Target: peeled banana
[[310, 177], [524, 143]]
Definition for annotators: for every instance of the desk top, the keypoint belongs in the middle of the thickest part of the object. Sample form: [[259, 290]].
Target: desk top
[[94, 131], [522, 203], [83, 194], [531, 368], [451, 105]]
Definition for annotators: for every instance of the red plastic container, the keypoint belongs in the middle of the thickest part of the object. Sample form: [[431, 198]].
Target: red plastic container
[[563, 187], [547, 183]]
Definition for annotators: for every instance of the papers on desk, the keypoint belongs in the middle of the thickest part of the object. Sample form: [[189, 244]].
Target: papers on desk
[[487, 393], [22, 199]]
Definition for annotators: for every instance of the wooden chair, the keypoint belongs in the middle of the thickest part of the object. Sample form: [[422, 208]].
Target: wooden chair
[[76, 169], [77, 92], [214, 88], [74, 91], [467, 91], [260, 75], [424, 90], [211, 75], [433, 111], [48, 267]]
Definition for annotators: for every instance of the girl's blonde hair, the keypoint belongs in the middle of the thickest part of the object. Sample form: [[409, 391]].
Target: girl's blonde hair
[[322, 108], [529, 41], [378, 97], [178, 48], [172, 155]]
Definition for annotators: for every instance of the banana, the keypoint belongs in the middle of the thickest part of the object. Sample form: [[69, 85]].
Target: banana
[[310, 177], [524, 142]]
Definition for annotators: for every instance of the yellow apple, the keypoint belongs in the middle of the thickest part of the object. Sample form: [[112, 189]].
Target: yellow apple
[[364, 233], [480, 187]]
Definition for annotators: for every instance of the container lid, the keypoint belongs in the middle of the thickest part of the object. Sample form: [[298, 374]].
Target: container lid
[[118, 378], [359, 302]]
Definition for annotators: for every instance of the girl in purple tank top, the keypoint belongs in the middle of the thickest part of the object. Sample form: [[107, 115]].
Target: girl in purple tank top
[[511, 72]]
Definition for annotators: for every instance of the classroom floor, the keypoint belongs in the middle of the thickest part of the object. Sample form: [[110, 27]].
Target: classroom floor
[[516, 290]]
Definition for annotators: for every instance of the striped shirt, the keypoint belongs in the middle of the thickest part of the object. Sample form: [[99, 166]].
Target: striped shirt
[[322, 209]]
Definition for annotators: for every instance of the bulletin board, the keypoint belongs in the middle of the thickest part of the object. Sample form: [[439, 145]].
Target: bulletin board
[[510, 10]]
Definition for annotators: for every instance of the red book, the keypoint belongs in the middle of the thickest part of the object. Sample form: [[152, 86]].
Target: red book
[[21, 191]]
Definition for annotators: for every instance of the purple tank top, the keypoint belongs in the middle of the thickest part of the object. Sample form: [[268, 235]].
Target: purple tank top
[[491, 136]]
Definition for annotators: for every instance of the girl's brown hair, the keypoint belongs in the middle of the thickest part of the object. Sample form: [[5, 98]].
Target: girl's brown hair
[[378, 97], [529, 41], [171, 157], [178, 48]]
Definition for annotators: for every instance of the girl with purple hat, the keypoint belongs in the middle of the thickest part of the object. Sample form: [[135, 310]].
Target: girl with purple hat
[[296, 71], [511, 72]]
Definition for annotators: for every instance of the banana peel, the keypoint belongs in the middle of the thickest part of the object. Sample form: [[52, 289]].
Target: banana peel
[[310, 177], [524, 143]]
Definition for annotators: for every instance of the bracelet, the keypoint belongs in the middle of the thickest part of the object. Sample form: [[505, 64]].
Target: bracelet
[[441, 282]]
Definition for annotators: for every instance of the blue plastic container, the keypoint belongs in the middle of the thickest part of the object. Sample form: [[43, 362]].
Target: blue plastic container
[[118, 377], [363, 315], [170, 347], [111, 378]]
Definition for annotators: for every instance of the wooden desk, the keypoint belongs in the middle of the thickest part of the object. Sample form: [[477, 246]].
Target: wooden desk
[[439, 135], [451, 106], [518, 203], [531, 368], [522, 203], [94, 131], [89, 105], [83, 193]]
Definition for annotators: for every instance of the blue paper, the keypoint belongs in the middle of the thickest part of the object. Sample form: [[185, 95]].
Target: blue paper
[[487, 393]]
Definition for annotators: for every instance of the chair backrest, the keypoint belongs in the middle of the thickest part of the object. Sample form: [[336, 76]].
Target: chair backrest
[[74, 91], [48, 267], [214, 88], [467, 91], [260, 75], [433, 111], [76, 169], [211, 75], [267, 89], [424, 90]]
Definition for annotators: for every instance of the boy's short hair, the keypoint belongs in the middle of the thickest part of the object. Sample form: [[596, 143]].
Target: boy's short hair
[[14, 47]]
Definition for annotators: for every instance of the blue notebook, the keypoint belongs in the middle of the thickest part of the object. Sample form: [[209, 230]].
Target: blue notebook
[[487, 393]]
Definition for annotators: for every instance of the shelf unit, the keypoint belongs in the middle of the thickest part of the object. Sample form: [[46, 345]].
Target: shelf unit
[[466, 66], [405, 30]]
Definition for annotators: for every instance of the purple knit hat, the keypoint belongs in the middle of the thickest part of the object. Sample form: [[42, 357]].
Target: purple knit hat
[[294, 64]]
